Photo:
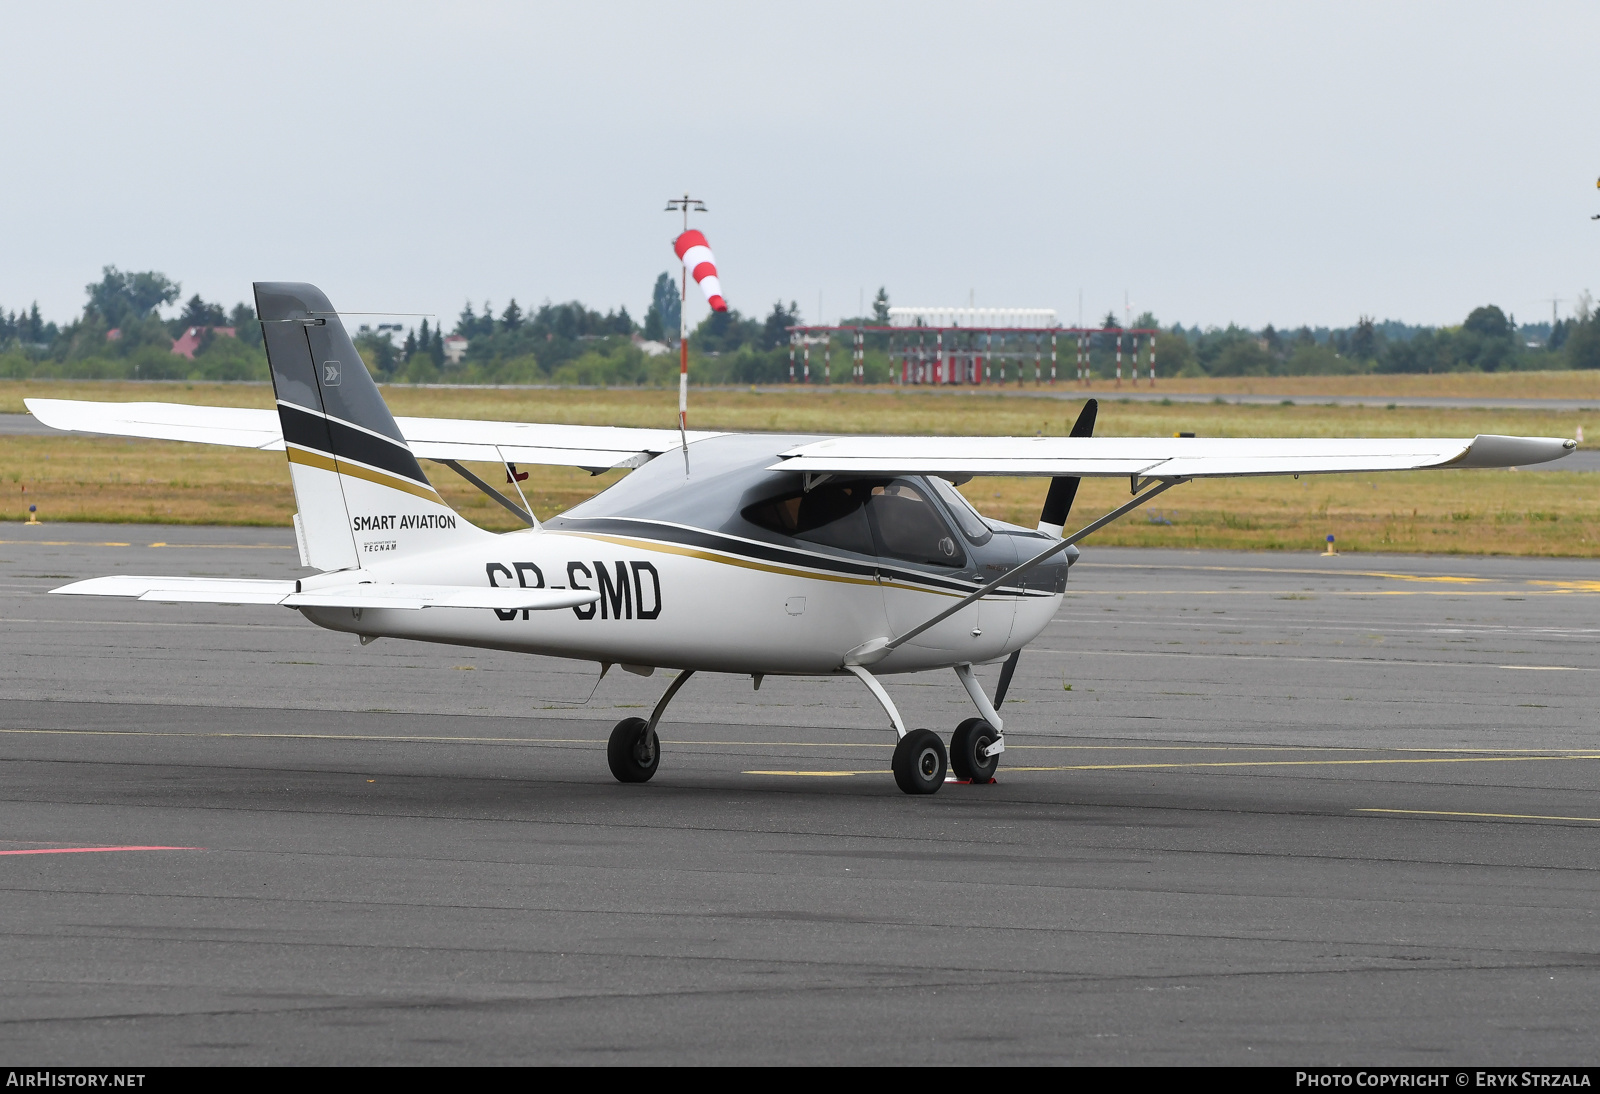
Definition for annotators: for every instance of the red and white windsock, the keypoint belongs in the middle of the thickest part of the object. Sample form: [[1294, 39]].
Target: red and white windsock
[[692, 248]]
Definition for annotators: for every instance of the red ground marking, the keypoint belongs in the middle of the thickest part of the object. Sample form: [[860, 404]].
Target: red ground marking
[[85, 850]]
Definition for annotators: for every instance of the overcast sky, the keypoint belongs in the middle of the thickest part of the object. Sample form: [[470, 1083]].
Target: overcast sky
[[1291, 162]]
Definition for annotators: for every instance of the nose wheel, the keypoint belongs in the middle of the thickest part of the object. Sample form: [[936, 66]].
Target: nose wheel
[[919, 762], [967, 751], [633, 751]]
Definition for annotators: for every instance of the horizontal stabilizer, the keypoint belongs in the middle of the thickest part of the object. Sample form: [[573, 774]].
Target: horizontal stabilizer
[[199, 590], [232, 426], [441, 596], [206, 590]]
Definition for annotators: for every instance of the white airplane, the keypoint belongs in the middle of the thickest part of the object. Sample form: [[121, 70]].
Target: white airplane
[[758, 554]]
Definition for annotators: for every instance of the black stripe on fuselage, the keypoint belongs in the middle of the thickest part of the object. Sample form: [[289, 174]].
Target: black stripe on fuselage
[[764, 552], [309, 430]]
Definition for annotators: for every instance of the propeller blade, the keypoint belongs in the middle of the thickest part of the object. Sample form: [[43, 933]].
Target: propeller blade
[[1064, 488], [1005, 678]]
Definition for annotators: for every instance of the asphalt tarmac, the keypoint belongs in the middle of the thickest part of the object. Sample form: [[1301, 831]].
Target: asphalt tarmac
[[1278, 809]]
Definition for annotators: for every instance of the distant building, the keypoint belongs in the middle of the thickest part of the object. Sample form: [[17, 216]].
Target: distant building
[[390, 331], [113, 334], [651, 349], [189, 341], [455, 348]]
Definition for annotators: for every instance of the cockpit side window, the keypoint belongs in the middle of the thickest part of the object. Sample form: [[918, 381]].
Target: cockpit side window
[[831, 515], [909, 526]]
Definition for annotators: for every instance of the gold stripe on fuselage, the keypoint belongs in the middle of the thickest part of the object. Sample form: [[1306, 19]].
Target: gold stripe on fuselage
[[310, 458], [766, 567]]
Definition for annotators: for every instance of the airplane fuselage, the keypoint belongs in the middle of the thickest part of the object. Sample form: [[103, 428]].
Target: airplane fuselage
[[714, 589]]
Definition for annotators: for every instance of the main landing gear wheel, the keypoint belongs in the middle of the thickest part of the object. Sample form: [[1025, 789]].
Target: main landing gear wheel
[[633, 751], [966, 751], [919, 762]]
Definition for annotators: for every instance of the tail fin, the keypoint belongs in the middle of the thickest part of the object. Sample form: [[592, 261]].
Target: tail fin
[[362, 495]]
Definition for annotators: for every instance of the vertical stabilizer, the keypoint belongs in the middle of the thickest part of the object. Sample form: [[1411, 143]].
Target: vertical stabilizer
[[362, 495]]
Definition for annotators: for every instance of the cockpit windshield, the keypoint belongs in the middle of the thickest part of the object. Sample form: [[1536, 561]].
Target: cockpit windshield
[[973, 526]]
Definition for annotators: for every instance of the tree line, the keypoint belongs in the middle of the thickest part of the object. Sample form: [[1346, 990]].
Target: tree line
[[120, 335], [1487, 340]]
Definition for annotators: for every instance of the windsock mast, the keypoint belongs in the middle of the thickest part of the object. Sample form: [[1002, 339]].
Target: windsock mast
[[695, 254]]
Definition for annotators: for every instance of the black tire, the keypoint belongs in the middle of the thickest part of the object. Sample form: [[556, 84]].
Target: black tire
[[966, 751], [919, 762], [633, 751]]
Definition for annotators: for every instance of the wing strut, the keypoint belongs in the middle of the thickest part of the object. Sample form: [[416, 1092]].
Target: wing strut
[[516, 481], [494, 494], [871, 652]]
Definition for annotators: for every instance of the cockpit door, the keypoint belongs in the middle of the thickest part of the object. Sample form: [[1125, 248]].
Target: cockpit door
[[925, 563]]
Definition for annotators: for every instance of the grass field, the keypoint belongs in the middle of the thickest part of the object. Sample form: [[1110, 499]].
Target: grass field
[[1529, 513], [1582, 384]]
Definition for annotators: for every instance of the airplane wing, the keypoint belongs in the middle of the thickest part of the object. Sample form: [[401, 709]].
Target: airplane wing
[[614, 446], [430, 438], [1158, 457], [206, 590]]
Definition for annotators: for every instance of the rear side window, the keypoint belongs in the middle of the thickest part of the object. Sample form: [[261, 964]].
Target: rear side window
[[834, 514]]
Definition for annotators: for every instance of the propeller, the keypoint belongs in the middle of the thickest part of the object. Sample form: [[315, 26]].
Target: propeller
[[1005, 678], [1052, 521], [1064, 488]]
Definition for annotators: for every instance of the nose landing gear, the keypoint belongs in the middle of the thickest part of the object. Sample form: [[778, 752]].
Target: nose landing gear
[[969, 757], [920, 760]]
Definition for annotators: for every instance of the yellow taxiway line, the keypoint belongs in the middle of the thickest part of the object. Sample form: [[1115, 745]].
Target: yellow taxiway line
[[1309, 763], [1488, 816], [195, 546], [1222, 764], [818, 774], [1512, 591]]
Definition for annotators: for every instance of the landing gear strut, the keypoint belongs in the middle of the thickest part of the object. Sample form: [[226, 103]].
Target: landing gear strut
[[919, 757], [634, 750]]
